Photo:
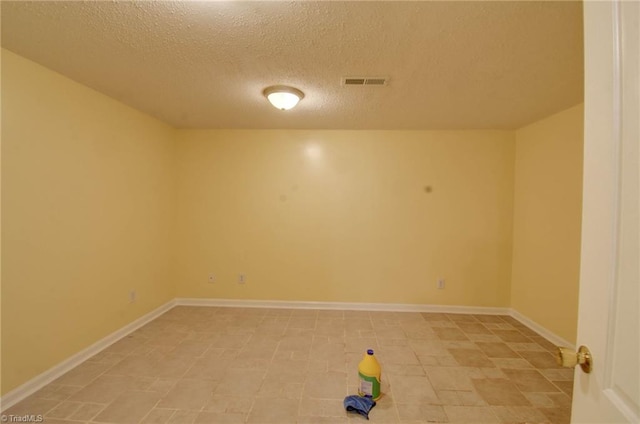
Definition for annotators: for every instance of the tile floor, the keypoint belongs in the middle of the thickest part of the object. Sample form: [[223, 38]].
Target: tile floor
[[234, 365]]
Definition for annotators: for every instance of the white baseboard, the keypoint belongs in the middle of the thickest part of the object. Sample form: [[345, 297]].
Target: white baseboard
[[38, 382], [547, 334], [387, 307]]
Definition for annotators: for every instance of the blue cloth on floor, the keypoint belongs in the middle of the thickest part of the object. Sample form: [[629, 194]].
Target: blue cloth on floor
[[361, 405]]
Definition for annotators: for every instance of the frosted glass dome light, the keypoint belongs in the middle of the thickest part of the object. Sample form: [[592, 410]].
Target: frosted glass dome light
[[283, 97]]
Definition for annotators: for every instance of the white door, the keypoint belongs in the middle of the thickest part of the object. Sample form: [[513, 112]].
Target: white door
[[610, 263]]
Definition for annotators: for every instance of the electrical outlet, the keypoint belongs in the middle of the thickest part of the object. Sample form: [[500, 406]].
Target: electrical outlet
[[133, 296], [212, 278], [242, 279], [440, 283]]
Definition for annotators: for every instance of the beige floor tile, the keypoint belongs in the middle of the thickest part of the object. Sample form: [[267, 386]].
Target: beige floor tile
[[540, 400], [421, 334], [403, 355], [220, 417], [170, 338], [540, 359], [129, 407], [470, 414], [518, 414], [429, 347], [125, 345], [188, 395], [106, 388], [474, 328], [401, 369], [385, 411], [524, 330], [322, 420], [273, 411], [471, 358], [230, 341], [460, 398], [497, 350], [162, 385], [492, 373], [558, 374], [87, 411], [462, 318], [171, 367], [191, 348], [415, 412], [183, 417], [515, 363], [512, 336], [526, 346], [449, 378], [249, 363], [287, 370], [331, 385], [229, 404], [546, 344], [484, 338], [329, 313], [83, 374], [450, 334], [390, 333], [208, 368], [239, 382], [557, 415], [435, 316], [560, 400], [280, 389], [498, 392], [493, 319], [306, 323], [438, 361], [283, 359], [158, 416], [393, 343], [64, 409], [530, 381], [326, 351], [413, 389], [106, 358], [321, 408], [56, 392], [295, 343], [565, 386], [459, 344], [442, 324], [134, 366]]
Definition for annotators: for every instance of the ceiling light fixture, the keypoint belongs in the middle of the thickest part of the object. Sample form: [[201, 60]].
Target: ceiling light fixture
[[283, 97]]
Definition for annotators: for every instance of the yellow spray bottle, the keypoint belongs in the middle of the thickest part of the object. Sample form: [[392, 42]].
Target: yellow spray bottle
[[369, 372]]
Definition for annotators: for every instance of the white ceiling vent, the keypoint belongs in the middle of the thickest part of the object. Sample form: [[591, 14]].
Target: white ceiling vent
[[364, 81]]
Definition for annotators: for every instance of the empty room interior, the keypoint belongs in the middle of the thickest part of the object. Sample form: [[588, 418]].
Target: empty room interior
[[175, 249]]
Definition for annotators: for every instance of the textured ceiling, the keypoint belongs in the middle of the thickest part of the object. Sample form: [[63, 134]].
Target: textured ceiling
[[451, 65]]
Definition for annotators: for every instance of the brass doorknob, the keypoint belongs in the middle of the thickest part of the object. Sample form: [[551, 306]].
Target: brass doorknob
[[569, 359]]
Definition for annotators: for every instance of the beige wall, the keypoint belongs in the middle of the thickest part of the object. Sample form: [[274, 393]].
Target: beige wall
[[344, 215], [88, 196], [547, 220], [99, 199]]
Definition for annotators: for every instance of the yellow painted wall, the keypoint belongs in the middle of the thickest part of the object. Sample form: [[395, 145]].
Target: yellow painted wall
[[547, 221], [99, 199], [88, 196], [344, 215]]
